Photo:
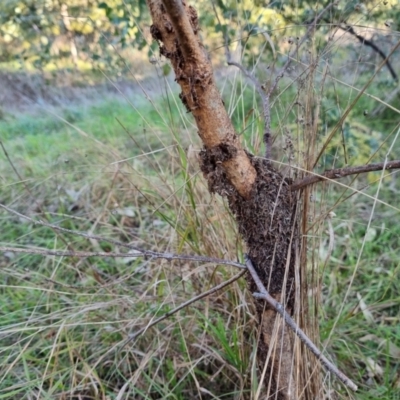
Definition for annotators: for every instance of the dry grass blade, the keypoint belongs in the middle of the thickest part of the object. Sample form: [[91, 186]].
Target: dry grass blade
[[184, 305], [139, 252]]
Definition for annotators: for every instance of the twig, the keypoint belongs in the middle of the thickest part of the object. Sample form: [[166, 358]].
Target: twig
[[266, 95], [294, 327], [139, 252], [265, 103], [247, 74], [264, 99], [298, 45], [371, 44], [184, 305], [68, 253], [342, 172]]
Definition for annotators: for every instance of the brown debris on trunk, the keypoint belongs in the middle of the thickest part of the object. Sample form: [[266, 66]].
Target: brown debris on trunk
[[266, 221]]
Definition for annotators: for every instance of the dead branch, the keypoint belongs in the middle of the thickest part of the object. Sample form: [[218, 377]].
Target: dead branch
[[370, 43], [280, 309], [266, 94], [300, 42], [342, 172], [184, 305], [138, 251], [175, 27], [265, 101]]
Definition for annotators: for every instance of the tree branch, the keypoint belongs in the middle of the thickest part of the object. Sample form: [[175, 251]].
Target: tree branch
[[342, 172], [280, 309], [371, 44], [175, 27], [266, 95], [184, 305], [138, 251]]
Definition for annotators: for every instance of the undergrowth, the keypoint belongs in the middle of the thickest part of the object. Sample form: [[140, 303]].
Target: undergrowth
[[126, 169]]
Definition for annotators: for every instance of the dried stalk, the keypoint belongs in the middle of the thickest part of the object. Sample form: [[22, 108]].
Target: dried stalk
[[138, 251], [342, 172], [265, 94]]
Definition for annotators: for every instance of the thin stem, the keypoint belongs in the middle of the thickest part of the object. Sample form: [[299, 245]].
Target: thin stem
[[138, 251], [298, 45], [280, 309], [342, 172], [247, 74], [184, 305], [264, 98]]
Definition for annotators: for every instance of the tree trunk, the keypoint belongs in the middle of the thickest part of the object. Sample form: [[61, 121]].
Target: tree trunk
[[259, 197]]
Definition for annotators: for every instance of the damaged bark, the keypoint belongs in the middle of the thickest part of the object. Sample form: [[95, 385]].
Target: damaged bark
[[266, 221], [259, 196], [175, 27]]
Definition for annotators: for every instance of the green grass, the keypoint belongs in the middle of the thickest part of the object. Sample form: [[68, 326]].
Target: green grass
[[361, 336]]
